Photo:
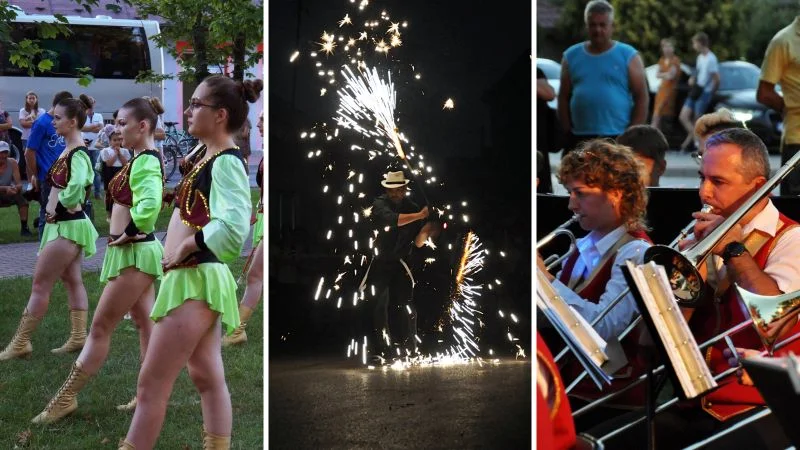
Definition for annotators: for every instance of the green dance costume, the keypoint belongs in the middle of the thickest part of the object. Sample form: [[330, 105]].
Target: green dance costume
[[258, 228], [213, 199], [72, 174], [139, 186]]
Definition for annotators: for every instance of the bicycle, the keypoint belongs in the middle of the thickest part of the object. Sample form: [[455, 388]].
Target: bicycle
[[177, 143], [181, 138]]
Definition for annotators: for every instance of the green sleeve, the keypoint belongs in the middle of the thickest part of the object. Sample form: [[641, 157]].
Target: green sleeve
[[80, 176], [230, 207], [147, 189]]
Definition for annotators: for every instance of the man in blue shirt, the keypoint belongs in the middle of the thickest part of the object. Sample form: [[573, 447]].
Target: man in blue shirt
[[603, 88], [43, 148]]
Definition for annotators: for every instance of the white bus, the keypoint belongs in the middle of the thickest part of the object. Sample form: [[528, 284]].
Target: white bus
[[115, 50]]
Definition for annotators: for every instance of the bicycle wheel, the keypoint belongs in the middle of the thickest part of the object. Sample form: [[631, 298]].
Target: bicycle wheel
[[186, 145]]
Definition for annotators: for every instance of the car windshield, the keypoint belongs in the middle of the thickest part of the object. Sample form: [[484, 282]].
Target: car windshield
[[551, 69], [738, 77]]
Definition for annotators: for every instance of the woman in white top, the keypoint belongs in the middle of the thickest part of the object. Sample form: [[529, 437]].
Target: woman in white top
[[28, 114], [113, 158]]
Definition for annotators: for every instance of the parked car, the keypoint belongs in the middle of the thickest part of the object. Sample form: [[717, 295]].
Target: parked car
[[737, 92], [552, 71], [552, 137]]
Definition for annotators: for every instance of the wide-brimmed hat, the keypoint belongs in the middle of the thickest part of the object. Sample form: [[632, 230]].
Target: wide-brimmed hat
[[394, 180], [4, 147]]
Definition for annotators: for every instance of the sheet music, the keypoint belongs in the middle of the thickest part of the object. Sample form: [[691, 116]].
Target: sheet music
[[654, 287], [582, 339]]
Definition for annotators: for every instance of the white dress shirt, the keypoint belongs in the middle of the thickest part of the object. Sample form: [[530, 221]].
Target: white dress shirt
[[591, 251], [783, 263]]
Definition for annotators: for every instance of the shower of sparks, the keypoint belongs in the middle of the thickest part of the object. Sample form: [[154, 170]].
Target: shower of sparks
[[464, 308], [328, 47], [294, 56], [381, 47], [449, 104], [367, 106]]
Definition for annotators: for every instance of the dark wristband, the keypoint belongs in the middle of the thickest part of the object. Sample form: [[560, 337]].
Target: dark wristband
[[199, 239], [131, 230]]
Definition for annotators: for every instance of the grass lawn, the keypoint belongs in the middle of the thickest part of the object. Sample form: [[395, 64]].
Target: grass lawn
[[9, 220], [27, 385]]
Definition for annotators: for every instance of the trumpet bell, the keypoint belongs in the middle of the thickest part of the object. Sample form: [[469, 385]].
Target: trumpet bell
[[770, 314], [684, 278]]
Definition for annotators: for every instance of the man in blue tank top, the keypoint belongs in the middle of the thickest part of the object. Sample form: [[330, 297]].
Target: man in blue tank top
[[603, 87]]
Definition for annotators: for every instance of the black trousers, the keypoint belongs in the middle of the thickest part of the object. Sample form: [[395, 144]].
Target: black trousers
[[394, 293]]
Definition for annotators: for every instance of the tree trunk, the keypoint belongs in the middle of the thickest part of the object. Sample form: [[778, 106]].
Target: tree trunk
[[239, 50], [199, 43]]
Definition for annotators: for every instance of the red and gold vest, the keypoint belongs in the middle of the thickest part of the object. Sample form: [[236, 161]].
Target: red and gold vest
[[636, 366], [714, 317]]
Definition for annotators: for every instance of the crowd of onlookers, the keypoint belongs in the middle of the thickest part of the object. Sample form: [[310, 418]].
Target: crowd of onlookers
[[603, 94]]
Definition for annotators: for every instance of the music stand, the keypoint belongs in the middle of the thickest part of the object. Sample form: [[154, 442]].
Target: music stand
[[652, 386], [778, 382]]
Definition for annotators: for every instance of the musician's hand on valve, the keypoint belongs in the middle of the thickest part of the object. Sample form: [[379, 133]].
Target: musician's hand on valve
[[683, 244], [707, 222], [734, 361], [543, 267]]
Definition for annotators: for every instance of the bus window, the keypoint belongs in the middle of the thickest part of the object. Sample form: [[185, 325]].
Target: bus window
[[110, 52]]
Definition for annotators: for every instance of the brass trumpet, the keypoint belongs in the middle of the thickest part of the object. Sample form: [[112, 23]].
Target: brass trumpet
[[562, 230], [771, 314]]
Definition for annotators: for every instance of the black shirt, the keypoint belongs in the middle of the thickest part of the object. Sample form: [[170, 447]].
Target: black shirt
[[397, 242]]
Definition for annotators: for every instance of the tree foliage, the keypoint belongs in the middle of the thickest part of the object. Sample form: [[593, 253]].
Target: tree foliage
[[215, 29]]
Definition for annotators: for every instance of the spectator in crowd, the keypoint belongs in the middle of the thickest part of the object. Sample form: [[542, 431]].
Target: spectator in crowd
[[780, 67], [94, 123], [43, 148], [708, 124], [160, 135], [242, 140], [5, 124], [669, 70], [104, 137], [113, 158], [11, 187], [28, 115], [603, 88], [650, 148], [702, 85]]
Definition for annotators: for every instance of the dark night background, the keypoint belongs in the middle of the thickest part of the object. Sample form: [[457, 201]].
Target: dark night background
[[478, 54]]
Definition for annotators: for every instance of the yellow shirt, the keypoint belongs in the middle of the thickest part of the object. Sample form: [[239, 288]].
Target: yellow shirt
[[782, 66]]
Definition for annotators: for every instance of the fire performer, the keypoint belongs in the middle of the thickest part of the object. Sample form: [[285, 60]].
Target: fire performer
[[400, 220]]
